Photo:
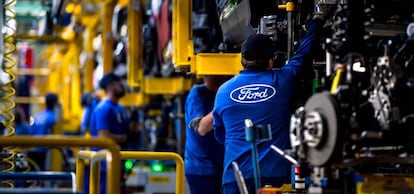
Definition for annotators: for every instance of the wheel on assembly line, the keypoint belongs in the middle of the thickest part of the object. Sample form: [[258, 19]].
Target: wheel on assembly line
[[322, 132]]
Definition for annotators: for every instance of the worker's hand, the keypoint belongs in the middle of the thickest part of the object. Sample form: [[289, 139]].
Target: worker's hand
[[324, 9], [194, 123]]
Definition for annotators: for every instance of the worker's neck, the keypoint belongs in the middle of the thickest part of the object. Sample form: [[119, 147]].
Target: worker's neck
[[113, 98]]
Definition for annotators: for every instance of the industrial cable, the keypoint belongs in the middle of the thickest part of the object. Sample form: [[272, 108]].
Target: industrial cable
[[7, 104]]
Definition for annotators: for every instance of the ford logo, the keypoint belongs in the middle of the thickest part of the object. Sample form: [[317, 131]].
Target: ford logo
[[253, 93]]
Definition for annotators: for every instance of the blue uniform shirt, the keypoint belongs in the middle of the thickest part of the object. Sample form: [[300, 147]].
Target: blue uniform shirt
[[22, 129], [203, 154], [87, 114], [110, 116], [43, 125], [265, 97]]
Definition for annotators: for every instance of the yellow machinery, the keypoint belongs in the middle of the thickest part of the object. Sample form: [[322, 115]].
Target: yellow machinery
[[67, 75], [356, 97], [184, 56], [60, 70], [361, 111]]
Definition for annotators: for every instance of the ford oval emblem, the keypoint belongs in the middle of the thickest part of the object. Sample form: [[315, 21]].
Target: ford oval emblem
[[253, 93]]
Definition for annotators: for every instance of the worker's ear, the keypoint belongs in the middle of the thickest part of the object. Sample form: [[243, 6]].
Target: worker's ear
[[270, 64]]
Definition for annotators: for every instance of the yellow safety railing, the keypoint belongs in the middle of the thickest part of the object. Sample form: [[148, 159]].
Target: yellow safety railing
[[140, 155], [95, 158], [114, 161]]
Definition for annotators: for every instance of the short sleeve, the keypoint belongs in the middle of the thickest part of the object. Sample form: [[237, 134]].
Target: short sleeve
[[219, 130], [103, 118], [194, 106]]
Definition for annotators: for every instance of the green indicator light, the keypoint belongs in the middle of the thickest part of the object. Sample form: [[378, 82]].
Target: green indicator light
[[129, 164], [232, 4], [157, 167]]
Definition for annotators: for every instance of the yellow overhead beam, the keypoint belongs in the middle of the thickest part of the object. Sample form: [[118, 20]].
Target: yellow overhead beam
[[122, 3], [33, 71], [134, 100], [174, 85], [29, 100], [217, 64], [45, 38]]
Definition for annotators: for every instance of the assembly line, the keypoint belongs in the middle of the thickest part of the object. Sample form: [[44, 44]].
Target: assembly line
[[207, 96]]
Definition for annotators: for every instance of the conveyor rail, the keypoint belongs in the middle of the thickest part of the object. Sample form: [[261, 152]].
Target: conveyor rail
[[39, 176]]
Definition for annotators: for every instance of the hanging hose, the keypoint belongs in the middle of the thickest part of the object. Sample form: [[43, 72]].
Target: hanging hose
[[9, 63], [7, 91]]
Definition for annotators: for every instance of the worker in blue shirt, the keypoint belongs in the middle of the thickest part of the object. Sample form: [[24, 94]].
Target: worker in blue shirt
[[88, 102], [263, 95], [110, 119], [43, 123], [21, 127], [203, 155]]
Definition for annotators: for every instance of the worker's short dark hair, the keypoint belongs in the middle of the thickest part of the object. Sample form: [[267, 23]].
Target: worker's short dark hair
[[257, 47], [86, 99], [108, 79], [51, 100]]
